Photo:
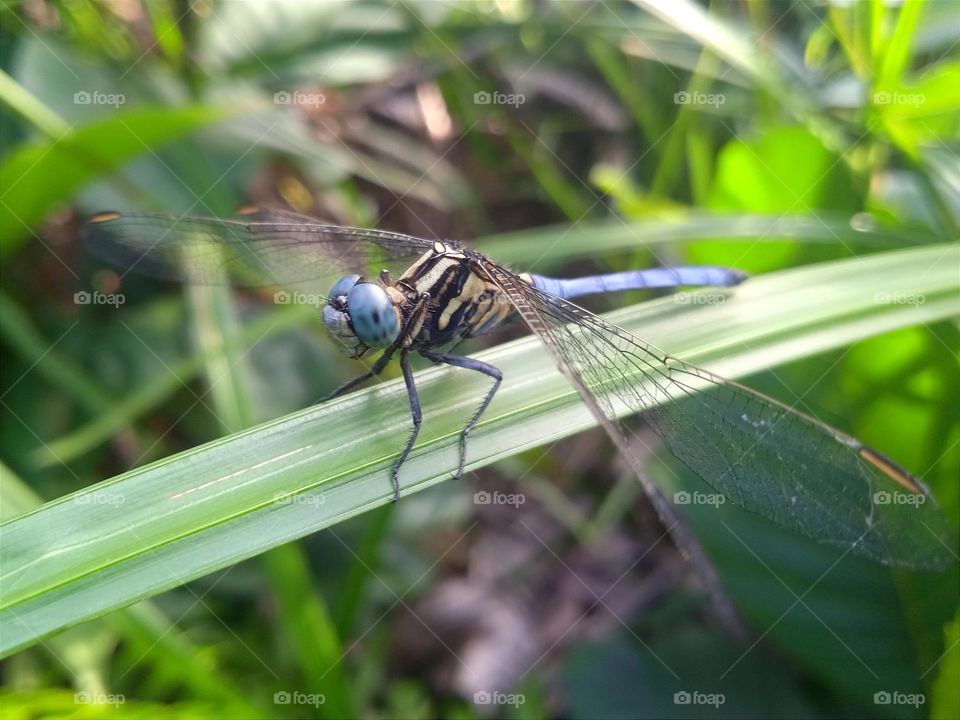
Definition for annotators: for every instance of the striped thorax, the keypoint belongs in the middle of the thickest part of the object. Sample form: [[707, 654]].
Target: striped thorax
[[464, 302]]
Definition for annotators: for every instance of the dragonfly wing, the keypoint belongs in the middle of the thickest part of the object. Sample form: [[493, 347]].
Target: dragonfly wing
[[760, 454], [264, 248]]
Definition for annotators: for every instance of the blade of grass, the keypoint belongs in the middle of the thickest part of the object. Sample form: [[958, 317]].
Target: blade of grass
[[36, 176], [672, 155], [143, 626], [38, 352], [764, 68], [362, 571], [542, 162], [27, 106], [614, 65], [302, 614], [896, 55], [159, 526], [122, 413], [547, 246]]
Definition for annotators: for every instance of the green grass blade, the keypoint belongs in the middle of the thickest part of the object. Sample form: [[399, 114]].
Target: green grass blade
[[144, 626], [36, 176], [159, 526], [303, 616], [27, 106], [547, 246], [121, 413]]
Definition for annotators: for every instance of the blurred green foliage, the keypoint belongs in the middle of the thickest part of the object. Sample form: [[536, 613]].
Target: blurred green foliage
[[567, 136]]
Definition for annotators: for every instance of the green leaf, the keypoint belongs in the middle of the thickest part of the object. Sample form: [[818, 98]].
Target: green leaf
[[159, 526], [809, 603], [303, 616], [922, 109], [37, 176], [546, 247], [754, 58], [166, 30], [143, 626], [30, 108], [122, 412], [945, 702], [897, 52], [785, 170]]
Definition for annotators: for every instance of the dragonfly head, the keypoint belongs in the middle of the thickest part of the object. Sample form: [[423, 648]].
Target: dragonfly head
[[360, 315]]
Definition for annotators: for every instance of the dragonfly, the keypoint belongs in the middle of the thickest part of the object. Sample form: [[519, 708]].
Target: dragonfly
[[430, 295]]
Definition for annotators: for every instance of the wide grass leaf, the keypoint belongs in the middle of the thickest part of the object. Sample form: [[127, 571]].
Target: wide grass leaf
[[159, 526]]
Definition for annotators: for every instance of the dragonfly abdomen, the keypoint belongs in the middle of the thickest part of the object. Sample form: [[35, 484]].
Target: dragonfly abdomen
[[661, 277]]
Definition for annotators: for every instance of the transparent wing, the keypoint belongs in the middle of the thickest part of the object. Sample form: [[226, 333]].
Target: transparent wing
[[760, 454], [264, 248]]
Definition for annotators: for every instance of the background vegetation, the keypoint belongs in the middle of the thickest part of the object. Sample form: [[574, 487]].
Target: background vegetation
[[813, 144]]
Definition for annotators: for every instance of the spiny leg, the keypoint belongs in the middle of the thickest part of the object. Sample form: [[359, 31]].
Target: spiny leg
[[417, 417], [414, 320], [469, 363], [377, 368]]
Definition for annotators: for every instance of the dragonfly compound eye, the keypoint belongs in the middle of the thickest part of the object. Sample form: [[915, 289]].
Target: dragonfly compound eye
[[335, 315], [338, 293], [372, 315]]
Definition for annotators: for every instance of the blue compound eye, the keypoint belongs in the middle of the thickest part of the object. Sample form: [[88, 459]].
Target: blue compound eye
[[342, 286], [372, 315], [335, 316]]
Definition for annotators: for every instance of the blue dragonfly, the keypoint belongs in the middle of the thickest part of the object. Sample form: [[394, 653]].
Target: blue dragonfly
[[427, 296]]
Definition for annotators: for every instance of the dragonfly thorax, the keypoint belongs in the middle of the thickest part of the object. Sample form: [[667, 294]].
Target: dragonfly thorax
[[361, 315]]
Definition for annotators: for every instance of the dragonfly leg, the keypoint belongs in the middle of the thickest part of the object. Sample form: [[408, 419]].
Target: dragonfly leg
[[375, 370], [417, 417], [481, 367]]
